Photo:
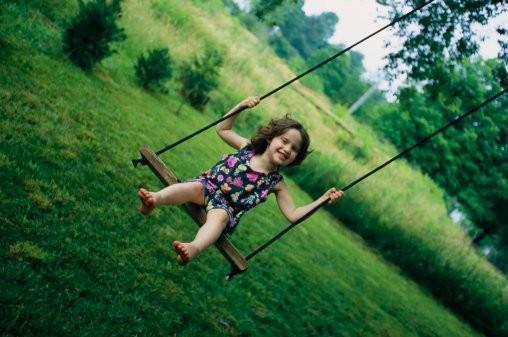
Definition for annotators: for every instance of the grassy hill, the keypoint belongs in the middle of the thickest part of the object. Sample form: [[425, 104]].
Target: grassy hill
[[78, 259]]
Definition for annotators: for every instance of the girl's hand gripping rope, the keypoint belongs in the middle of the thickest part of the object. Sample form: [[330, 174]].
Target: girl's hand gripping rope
[[250, 102], [333, 194]]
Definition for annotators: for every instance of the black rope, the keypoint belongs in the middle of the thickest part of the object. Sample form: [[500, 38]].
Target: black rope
[[135, 162], [404, 152]]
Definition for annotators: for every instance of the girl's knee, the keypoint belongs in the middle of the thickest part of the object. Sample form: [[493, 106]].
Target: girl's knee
[[198, 192], [219, 215], [199, 188]]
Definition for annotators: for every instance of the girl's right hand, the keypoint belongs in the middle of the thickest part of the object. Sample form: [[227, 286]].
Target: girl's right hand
[[250, 102]]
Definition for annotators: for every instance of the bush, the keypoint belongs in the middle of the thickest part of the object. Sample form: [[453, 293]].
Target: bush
[[200, 77], [154, 69], [88, 38]]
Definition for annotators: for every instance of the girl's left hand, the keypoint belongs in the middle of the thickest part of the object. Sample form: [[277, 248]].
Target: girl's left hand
[[250, 102], [333, 194]]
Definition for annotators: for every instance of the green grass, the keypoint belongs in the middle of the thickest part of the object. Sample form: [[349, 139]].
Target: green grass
[[78, 259]]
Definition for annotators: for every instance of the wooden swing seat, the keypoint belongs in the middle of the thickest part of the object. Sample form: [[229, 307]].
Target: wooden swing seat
[[198, 214]]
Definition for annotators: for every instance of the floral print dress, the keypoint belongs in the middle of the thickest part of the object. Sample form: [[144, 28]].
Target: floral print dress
[[234, 186]]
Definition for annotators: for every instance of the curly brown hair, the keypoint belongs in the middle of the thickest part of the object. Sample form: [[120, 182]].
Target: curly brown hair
[[277, 127]]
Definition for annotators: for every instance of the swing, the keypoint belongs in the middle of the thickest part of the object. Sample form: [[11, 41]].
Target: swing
[[239, 263], [167, 177]]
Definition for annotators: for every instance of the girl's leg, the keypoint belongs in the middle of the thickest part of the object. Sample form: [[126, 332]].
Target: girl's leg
[[216, 221], [171, 195]]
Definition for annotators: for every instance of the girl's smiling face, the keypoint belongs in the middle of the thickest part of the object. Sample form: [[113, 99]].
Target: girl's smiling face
[[283, 149]]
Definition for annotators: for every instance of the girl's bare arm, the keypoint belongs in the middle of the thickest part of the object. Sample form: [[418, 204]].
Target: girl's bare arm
[[287, 206], [225, 128]]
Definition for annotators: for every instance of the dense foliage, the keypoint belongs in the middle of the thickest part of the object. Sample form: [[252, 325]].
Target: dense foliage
[[302, 41], [442, 30], [307, 33], [265, 8], [200, 76], [89, 36], [341, 78], [469, 160], [153, 69], [439, 43]]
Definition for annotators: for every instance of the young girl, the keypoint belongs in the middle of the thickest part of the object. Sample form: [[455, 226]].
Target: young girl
[[240, 181]]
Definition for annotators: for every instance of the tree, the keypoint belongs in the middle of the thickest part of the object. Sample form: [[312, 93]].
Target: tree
[[307, 33], [200, 76], [441, 31], [90, 34], [470, 160], [342, 77], [263, 9], [303, 41], [154, 69]]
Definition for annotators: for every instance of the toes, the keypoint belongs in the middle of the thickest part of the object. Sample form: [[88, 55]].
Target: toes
[[183, 254], [142, 196], [176, 245], [179, 248], [146, 197]]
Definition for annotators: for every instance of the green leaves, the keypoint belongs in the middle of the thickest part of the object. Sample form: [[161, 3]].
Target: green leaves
[[342, 77], [88, 38], [154, 69], [443, 30], [467, 160], [200, 76]]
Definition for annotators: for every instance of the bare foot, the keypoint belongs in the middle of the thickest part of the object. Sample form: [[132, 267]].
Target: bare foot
[[186, 252], [147, 201]]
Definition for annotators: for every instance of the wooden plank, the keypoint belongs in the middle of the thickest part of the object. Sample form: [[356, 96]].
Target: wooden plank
[[198, 214]]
